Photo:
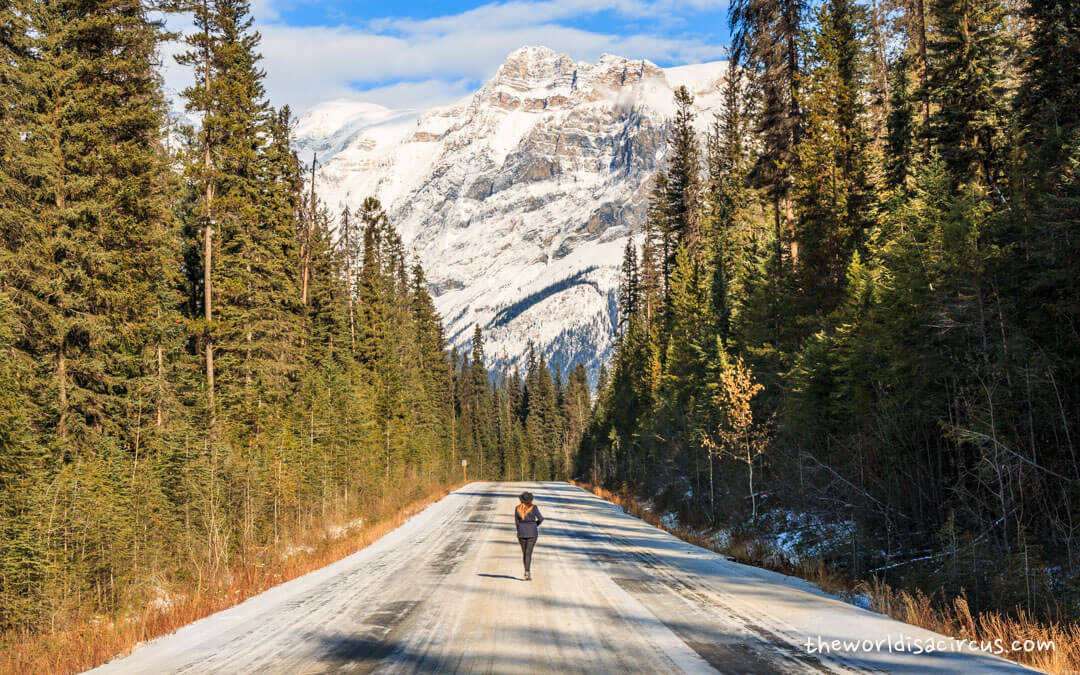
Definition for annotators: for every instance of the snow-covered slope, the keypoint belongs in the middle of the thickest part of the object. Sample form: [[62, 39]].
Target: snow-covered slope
[[517, 200]]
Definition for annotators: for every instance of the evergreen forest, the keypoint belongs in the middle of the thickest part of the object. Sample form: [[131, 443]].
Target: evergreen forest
[[856, 297], [201, 361]]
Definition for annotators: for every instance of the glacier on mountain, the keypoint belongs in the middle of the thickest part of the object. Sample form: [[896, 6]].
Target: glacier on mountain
[[519, 199]]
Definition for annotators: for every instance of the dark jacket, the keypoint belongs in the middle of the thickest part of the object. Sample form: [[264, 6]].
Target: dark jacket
[[526, 527]]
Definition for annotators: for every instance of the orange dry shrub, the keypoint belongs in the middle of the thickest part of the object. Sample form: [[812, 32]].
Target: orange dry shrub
[[93, 642], [953, 619]]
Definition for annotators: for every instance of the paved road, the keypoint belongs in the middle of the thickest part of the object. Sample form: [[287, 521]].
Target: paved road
[[444, 592]]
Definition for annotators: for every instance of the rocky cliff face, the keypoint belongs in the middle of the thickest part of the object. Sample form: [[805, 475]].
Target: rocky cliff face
[[518, 200]]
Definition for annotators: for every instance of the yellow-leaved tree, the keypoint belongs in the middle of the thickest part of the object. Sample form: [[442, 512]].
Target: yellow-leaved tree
[[736, 435]]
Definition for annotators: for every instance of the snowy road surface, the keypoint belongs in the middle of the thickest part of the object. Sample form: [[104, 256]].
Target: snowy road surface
[[444, 592]]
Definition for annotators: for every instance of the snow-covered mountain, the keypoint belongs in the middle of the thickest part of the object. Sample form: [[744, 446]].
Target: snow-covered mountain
[[518, 200]]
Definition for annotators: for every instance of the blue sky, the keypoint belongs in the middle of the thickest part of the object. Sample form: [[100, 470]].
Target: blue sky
[[418, 54]]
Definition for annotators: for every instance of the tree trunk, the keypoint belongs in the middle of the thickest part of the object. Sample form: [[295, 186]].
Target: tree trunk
[[61, 375], [160, 413], [789, 218], [305, 246], [208, 234], [712, 490], [750, 466], [348, 283], [920, 11]]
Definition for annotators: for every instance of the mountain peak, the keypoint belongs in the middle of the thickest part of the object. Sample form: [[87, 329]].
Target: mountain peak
[[533, 52], [519, 200], [530, 68]]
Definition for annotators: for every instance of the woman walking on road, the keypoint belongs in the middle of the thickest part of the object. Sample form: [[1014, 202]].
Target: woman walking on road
[[528, 519]]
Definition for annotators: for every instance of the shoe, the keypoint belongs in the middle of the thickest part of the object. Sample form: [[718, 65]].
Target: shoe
[[528, 576]]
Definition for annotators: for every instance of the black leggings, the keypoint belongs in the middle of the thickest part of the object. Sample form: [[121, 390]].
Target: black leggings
[[526, 551]]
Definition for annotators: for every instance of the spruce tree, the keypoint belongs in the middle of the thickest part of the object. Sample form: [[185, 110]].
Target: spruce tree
[[23, 556], [201, 98], [1047, 215], [725, 199], [273, 327], [765, 41], [479, 392], [629, 287], [18, 90], [92, 275], [901, 126], [105, 225], [1049, 116], [834, 182], [371, 303], [688, 346], [426, 322], [327, 311], [967, 90], [682, 188]]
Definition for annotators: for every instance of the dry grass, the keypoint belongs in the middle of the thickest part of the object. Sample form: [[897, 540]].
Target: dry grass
[[100, 639], [953, 619]]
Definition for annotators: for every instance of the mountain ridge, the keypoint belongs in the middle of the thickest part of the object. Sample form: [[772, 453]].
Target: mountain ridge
[[536, 178]]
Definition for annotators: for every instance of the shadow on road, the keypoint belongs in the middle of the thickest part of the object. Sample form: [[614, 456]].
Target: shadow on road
[[500, 576]]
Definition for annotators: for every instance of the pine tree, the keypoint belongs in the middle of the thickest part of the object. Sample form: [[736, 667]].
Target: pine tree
[[630, 286], [370, 301], [1050, 134], [682, 189], [765, 41], [479, 388], [901, 136], [725, 199], [967, 91], [834, 187], [328, 301], [23, 557], [104, 224], [18, 89], [201, 98], [273, 325]]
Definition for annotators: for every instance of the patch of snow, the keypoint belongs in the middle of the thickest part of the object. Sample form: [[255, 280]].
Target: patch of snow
[[720, 539], [801, 536], [163, 601], [341, 531], [294, 550]]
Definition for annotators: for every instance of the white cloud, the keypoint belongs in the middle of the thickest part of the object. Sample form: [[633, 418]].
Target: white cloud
[[405, 63]]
